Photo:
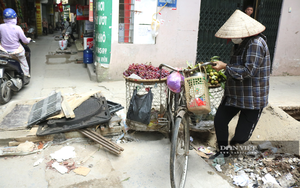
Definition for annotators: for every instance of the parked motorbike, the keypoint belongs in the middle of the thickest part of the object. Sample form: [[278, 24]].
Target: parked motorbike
[[12, 78]]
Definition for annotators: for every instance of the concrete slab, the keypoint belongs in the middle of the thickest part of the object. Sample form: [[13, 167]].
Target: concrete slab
[[284, 91], [142, 164]]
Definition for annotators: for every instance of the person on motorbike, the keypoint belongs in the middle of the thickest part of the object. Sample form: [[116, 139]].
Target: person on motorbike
[[10, 35], [68, 29]]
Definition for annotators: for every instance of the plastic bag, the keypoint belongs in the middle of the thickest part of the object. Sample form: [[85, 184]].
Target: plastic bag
[[140, 107], [174, 81]]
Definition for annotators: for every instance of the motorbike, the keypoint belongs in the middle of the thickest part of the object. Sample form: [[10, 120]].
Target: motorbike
[[12, 78]]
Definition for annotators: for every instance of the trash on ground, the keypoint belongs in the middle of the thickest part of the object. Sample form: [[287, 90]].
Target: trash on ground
[[219, 160], [268, 178], [60, 168], [126, 179], [264, 169], [38, 162], [264, 146], [205, 150], [191, 139], [201, 154], [241, 179], [218, 168], [64, 153], [82, 170], [27, 149]]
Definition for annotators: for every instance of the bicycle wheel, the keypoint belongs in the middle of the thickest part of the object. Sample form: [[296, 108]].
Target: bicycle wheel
[[170, 115], [179, 152]]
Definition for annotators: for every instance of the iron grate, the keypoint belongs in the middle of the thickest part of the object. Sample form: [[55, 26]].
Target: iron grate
[[44, 108]]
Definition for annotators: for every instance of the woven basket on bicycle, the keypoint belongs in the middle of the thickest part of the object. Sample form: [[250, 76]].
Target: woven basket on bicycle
[[197, 95]]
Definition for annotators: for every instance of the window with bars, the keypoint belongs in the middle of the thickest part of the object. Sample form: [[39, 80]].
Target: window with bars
[[126, 21]]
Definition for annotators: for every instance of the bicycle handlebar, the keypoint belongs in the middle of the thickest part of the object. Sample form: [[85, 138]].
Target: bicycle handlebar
[[184, 70]]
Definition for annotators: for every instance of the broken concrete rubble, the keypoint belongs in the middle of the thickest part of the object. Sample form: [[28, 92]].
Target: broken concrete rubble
[[274, 170]]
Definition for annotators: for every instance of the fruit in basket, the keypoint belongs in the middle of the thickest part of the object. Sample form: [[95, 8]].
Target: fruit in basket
[[174, 82], [215, 77], [145, 71]]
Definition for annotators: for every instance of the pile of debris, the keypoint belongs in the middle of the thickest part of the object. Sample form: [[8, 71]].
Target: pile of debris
[[85, 114], [265, 166], [58, 115]]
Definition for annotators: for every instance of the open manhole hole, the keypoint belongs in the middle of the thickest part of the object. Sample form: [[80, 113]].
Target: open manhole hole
[[292, 111]]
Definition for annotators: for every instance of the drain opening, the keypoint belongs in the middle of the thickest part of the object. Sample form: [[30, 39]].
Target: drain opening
[[294, 112]]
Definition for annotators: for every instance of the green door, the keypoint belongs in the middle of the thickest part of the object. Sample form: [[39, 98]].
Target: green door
[[213, 14], [269, 14]]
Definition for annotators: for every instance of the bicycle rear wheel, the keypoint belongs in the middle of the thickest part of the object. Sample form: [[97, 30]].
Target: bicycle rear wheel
[[179, 152]]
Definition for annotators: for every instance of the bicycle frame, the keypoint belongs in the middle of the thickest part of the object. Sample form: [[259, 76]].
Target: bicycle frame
[[179, 127]]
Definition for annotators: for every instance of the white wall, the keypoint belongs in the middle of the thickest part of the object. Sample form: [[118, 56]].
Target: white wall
[[287, 53], [176, 42]]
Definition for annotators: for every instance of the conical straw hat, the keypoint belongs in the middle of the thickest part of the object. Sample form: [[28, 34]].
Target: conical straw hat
[[240, 25]]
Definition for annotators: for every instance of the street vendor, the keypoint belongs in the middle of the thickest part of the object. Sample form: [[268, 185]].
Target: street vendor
[[247, 87]]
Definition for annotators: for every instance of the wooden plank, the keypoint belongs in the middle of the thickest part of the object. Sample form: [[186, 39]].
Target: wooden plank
[[66, 108]]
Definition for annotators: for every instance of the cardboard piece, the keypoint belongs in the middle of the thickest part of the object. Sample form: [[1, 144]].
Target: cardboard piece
[[82, 170]]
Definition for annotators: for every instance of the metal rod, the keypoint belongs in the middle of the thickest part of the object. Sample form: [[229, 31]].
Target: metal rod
[[106, 140], [109, 147], [103, 141]]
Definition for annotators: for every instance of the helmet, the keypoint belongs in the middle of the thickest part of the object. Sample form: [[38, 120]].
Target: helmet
[[9, 13]]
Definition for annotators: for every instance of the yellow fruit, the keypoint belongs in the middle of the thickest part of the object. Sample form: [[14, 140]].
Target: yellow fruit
[[211, 74], [216, 73], [212, 81]]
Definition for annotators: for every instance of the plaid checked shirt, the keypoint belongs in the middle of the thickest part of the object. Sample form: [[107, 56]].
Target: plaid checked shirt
[[248, 74]]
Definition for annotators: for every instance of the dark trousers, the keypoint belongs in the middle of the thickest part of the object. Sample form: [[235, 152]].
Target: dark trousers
[[45, 30], [72, 36], [245, 126]]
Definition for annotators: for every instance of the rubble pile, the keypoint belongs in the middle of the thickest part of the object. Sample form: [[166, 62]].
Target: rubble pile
[[261, 169]]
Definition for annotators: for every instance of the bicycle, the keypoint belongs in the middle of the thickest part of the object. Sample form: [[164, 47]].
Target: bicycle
[[180, 107]]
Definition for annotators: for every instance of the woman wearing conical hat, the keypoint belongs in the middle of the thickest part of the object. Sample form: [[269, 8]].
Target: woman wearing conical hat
[[247, 87]]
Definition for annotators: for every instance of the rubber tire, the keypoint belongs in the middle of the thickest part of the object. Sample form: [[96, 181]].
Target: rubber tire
[[5, 92], [170, 115], [177, 134]]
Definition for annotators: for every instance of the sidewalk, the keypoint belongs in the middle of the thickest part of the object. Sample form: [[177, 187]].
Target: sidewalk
[[284, 91]]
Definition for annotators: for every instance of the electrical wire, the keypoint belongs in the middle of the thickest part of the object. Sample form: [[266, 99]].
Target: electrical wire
[[155, 23]]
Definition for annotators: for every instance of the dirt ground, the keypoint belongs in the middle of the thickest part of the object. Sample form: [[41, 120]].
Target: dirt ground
[[275, 126]]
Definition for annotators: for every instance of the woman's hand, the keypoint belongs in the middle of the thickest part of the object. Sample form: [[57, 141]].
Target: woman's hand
[[219, 65], [29, 38]]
